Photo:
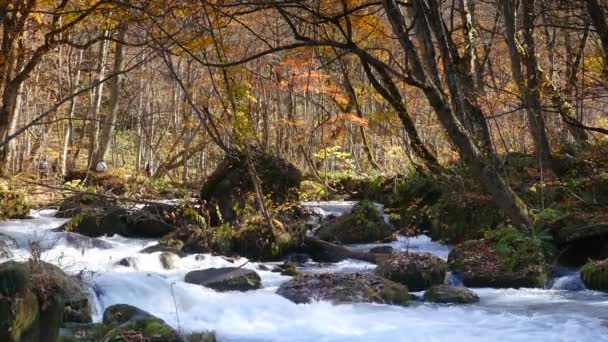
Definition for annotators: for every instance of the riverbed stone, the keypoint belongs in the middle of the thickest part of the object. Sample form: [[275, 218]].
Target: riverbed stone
[[125, 322], [169, 260], [595, 275], [342, 288], [226, 279], [36, 297], [382, 250], [418, 271], [479, 263], [364, 224], [445, 294]]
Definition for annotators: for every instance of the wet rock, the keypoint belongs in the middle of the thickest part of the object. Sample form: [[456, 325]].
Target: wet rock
[[226, 279], [364, 224], [418, 271], [231, 181], [125, 323], [169, 260], [595, 275], [518, 263], [201, 337], [382, 250], [263, 267], [344, 288], [105, 217], [445, 294], [128, 262], [162, 248], [36, 298], [14, 204], [298, 258]]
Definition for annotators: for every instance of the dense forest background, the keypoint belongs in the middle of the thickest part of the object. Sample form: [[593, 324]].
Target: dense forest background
[[165, 89]]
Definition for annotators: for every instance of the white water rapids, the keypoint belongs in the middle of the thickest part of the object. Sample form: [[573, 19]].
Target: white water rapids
[[501, 315]]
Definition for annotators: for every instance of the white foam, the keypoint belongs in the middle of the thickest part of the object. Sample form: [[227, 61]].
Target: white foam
[[505, 315]]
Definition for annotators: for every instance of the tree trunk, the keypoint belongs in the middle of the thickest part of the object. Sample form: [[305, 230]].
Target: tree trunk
[[482, 166], [94, 117], [108, 129]]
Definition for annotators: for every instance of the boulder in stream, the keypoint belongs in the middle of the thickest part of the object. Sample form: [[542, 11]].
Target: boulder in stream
[[342, 288], [364, 224], [418, 271], [445, 294], [36, 297], [226, 279], [169, 260], [504, 259], [595, 275], [124, 322]]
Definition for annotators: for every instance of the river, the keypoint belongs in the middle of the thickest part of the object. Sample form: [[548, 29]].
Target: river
[[563, 312]]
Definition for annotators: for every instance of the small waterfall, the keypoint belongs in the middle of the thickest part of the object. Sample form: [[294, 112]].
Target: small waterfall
[[453, 279]]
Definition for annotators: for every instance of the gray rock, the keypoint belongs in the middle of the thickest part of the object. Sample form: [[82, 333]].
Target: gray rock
[[382, 250], [226, 279], [169, 260], [344, 288], [450, 295], [418, 271]]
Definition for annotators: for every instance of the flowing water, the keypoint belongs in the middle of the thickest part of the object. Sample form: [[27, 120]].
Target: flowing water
[[566, 312]]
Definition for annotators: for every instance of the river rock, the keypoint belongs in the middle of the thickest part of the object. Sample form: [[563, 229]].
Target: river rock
[[382, 250], [416, 270], [226, 279], [341, 288], [124, 322], [36, 298], [364, 224], [95, 217], [445, 294], [131, 262], [479, 265], [159, 247], [595, 275], [169, 260]]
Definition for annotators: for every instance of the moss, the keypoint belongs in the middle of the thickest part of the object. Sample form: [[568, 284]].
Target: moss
[[595, 275], [19, 317], [13, 203], [118, 314], [148, 329], [515, 250], [290, 269], [364, 224], [201, 337], [393, 293], [14, 278], [463, 216]]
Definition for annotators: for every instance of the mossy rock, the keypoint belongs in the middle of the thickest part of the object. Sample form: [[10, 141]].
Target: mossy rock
[[201, 337], [225, 279], [418, 271], [147, 329], [506, 258], [228, 186], [14, 278], [124, 321], [595, 275], [364, 224], [19, 317], [444, 294], [259, 242], [463, 216], [14, 204], [343, 288]]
